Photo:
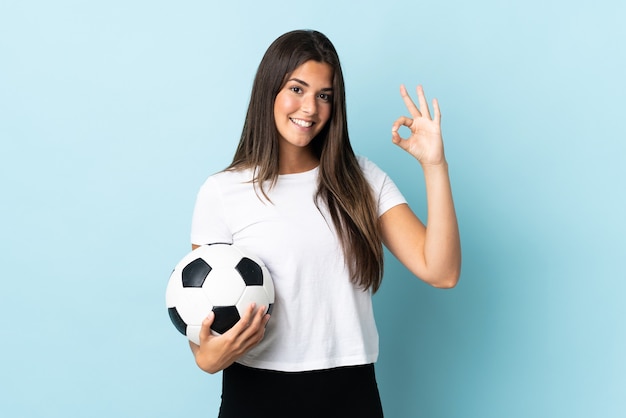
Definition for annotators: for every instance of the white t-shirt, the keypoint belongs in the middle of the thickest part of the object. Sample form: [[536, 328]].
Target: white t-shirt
[[320, 319]]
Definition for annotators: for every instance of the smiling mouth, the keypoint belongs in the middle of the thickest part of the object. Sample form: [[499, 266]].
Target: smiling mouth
[[302, 123]]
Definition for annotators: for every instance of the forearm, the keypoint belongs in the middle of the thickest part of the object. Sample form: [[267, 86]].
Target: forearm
[[442, 247]]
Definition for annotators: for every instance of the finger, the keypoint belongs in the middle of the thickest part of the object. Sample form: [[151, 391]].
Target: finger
[[421, 98], [413, 110], [437, 111], [252, 320], [245, 320], [256, 328], [257, 320], [401, 121]]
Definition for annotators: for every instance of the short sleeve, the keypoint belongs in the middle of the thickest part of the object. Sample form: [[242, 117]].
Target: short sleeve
[[385, 190], [209, 224]]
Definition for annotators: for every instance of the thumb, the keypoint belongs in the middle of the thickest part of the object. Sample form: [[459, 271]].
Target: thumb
[[205, 331]]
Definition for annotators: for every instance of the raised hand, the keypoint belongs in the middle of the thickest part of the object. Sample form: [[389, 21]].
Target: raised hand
[[425, 142]]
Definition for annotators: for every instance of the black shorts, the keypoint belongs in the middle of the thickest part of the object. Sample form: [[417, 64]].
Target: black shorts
[[340, 392]]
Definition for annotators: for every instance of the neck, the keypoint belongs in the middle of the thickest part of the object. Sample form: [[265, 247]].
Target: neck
[[297, 162]]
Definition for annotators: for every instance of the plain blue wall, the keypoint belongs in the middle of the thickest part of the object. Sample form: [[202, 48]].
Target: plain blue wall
[[112, 113]]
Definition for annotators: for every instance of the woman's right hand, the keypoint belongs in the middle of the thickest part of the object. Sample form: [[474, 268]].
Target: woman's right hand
[[217, 352]]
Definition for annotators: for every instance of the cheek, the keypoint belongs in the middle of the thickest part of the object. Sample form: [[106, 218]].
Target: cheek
[[284, 104], [325, 113]]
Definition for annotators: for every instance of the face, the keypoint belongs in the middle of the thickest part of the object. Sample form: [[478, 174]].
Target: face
[[304, 105]]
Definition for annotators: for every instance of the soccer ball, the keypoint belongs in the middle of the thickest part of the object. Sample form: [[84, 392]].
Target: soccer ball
[[221, 278]]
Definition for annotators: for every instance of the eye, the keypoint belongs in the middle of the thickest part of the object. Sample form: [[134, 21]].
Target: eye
[[295, 89], [325, 97]]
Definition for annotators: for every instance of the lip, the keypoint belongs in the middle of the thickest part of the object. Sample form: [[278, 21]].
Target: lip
[[302, 123]]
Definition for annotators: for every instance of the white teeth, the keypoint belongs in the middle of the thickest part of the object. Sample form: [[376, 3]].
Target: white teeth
[[302, 123]]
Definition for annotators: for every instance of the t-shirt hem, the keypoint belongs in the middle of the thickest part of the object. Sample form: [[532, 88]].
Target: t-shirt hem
[[311, 365]]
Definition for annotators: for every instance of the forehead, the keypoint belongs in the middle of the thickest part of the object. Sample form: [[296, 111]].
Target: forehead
[[314, 73]]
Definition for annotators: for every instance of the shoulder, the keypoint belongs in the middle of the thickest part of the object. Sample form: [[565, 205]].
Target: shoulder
[[227, 177], [365, 163], [373, 173]]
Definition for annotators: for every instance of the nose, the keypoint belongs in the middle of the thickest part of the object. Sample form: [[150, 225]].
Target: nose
[[309, 104]]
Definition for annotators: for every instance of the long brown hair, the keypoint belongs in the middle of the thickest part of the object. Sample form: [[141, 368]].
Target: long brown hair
[[342, 186]]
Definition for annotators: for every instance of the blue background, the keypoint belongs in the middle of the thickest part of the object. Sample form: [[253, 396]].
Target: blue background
[[112, 113]]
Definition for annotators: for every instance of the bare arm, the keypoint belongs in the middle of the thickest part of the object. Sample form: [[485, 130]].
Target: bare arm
[[432, 252]]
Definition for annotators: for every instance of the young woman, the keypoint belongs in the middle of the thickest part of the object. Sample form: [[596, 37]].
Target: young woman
[[296, 195]]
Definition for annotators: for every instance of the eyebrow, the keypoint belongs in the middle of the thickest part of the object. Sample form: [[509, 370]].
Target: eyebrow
[[305, 84]]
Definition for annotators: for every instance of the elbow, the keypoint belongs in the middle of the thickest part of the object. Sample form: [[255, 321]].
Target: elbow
[[446, 280], [206, 367], [448, 277], [445, 284], [205, 364]]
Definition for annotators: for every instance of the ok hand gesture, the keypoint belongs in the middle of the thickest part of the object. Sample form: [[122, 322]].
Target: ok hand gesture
[[425, 142]]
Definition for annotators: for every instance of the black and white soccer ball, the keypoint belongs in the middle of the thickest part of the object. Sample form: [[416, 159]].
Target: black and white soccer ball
[[221, 278]]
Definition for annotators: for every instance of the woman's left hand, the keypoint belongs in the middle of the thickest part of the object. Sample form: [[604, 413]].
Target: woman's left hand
[[425, 142]]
